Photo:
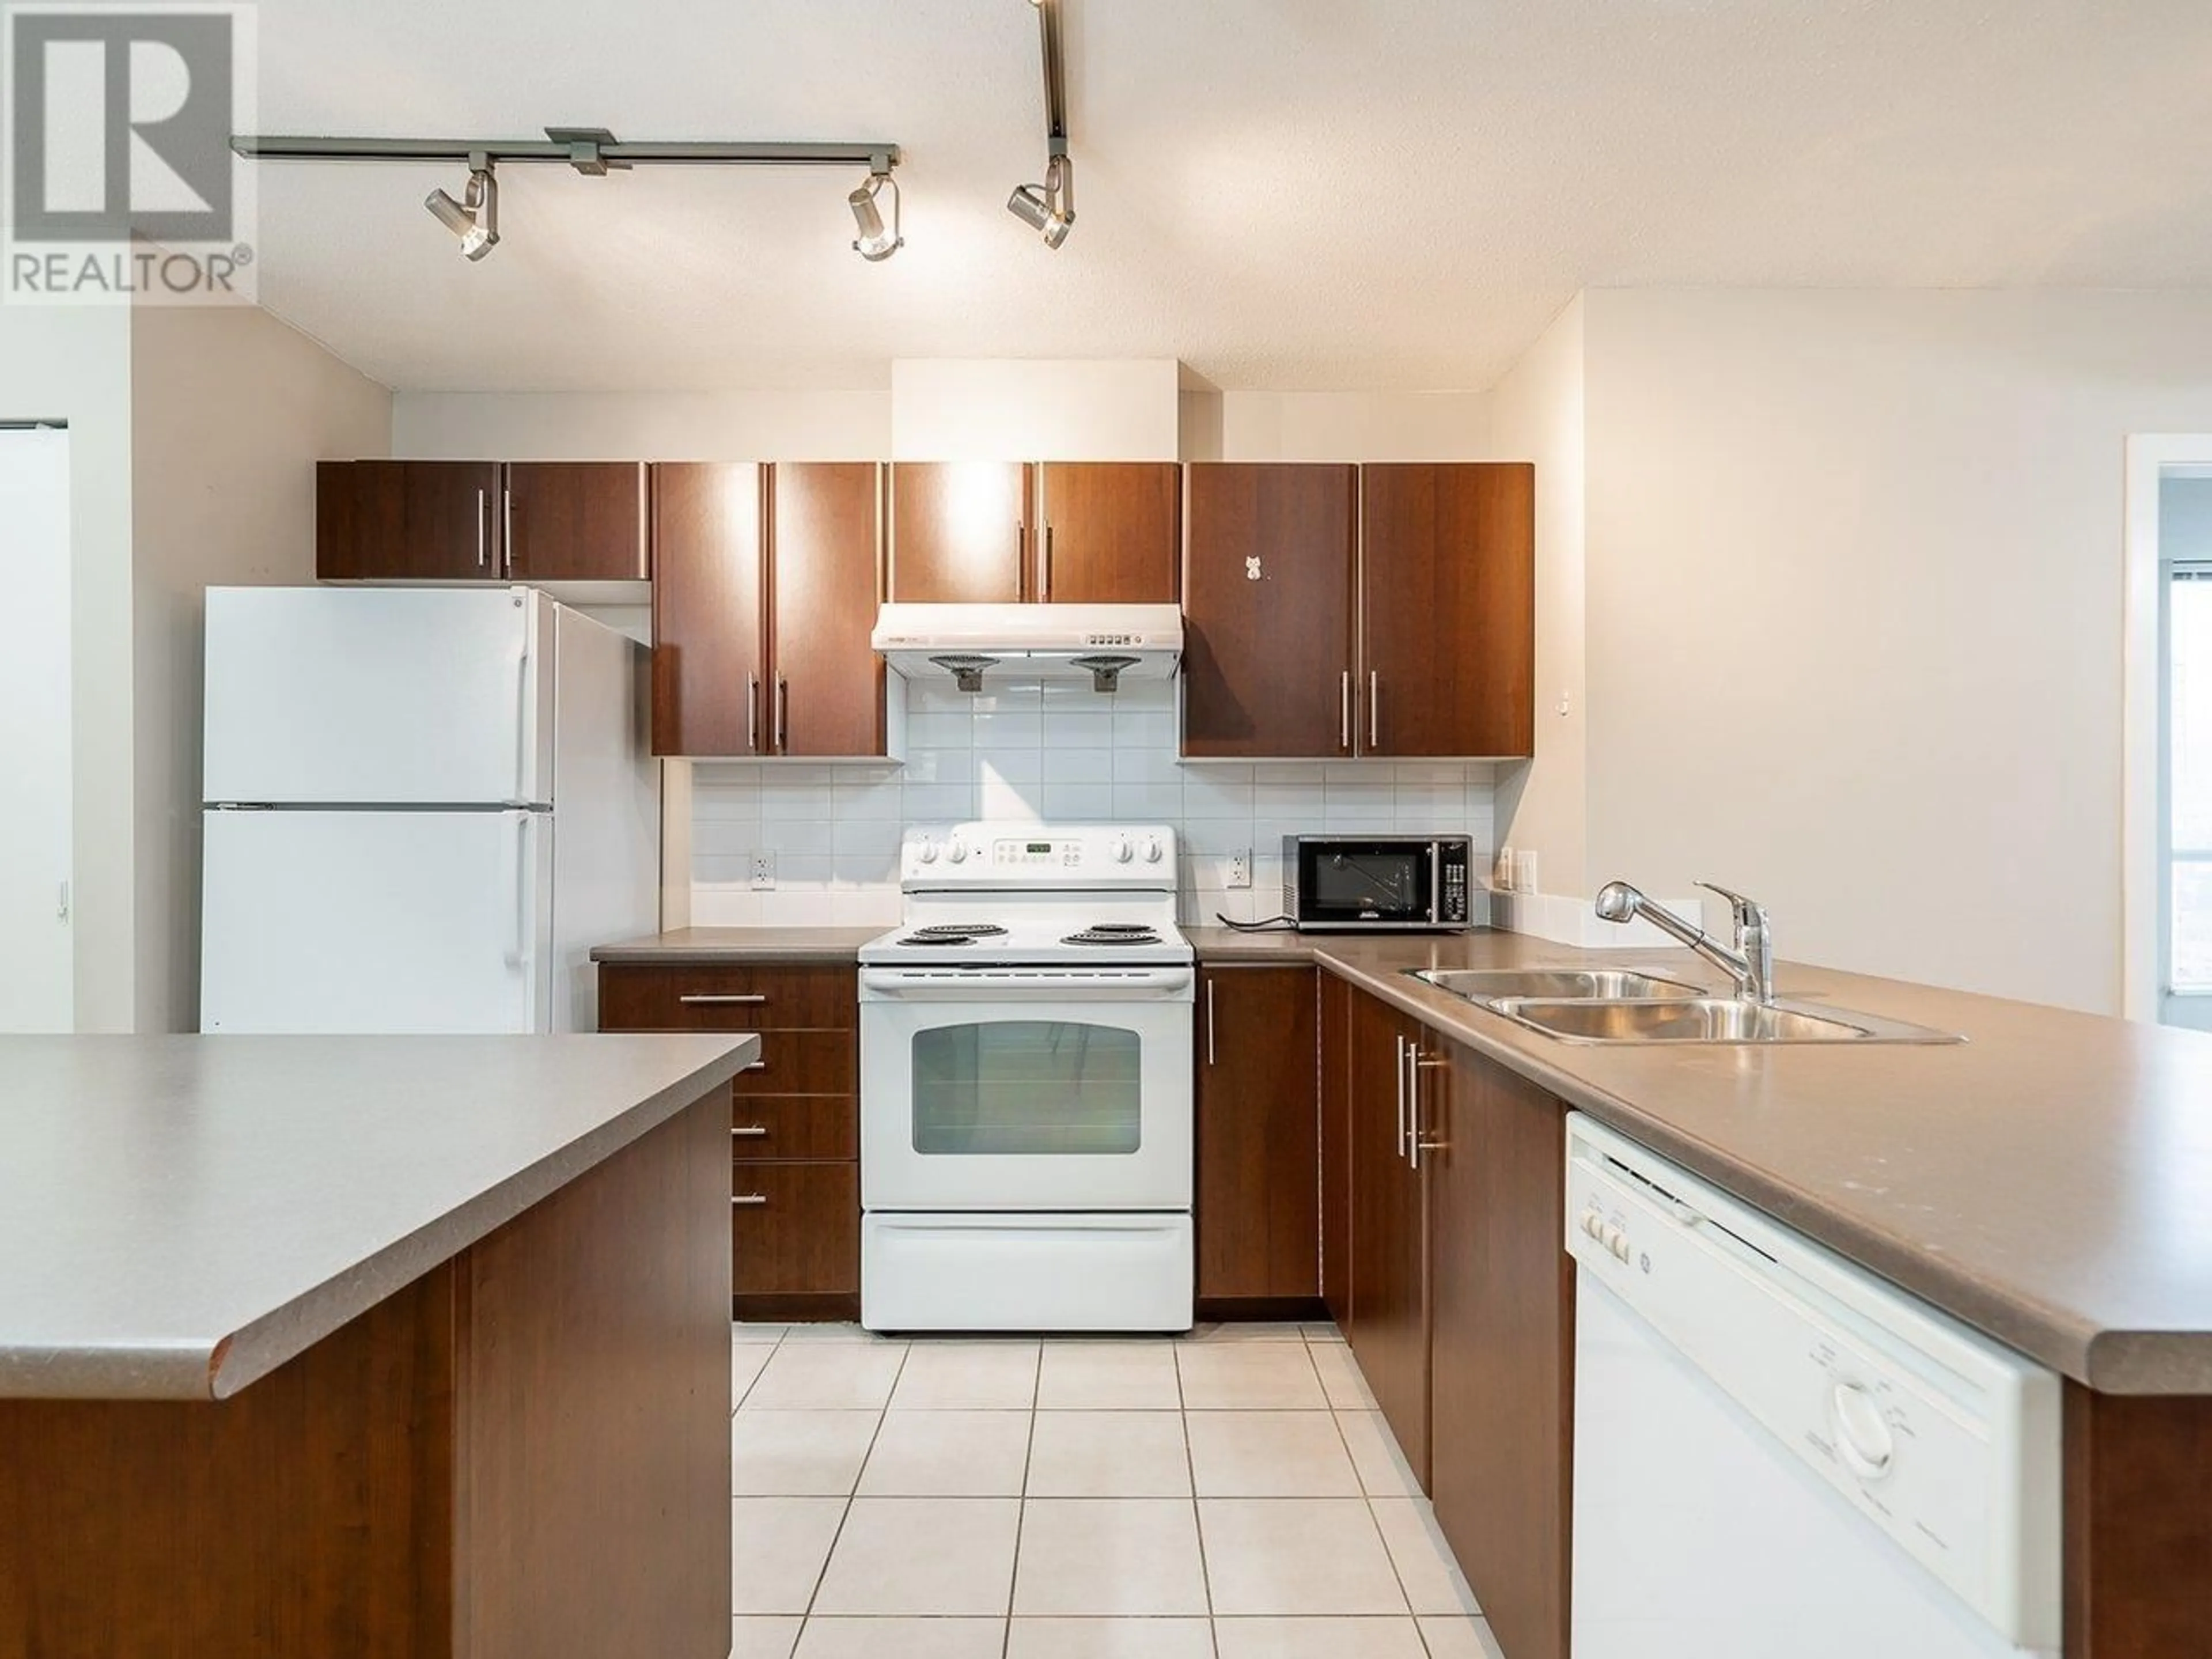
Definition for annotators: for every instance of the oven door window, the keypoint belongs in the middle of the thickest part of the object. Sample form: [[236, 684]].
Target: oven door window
[[1028, 1087]]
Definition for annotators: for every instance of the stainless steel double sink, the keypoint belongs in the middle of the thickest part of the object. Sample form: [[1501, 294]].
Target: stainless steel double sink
[[1611, 1005]]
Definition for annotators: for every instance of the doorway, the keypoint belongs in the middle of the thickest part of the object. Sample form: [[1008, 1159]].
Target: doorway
[[37, 964]]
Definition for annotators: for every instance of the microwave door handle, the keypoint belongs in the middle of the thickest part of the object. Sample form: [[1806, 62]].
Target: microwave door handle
[[1435, 883]]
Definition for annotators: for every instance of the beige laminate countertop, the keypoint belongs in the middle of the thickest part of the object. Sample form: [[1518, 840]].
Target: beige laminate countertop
[[706, 946], [180, 1215], [2048, 1181]]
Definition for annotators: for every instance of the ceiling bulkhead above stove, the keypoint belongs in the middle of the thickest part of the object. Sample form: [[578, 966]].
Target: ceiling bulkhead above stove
[[969, 644]]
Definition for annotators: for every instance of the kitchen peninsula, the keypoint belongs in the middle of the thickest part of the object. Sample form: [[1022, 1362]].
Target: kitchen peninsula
[[368, 1348]]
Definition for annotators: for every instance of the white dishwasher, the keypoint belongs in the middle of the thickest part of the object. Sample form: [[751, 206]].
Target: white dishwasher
[[1777, 1453]]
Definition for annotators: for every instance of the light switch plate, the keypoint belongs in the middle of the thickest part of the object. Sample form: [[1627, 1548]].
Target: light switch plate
[[763, 872], [1524, 871]]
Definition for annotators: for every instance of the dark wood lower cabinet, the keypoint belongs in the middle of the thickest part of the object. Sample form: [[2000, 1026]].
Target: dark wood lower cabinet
[[1258, 1136], [1336, 1148], [1388, 1330], [2138, 1529], [794, 1120], [523, 1452], [1501, 1336]]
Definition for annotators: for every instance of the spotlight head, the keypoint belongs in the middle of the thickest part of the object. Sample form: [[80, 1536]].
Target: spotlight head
[[876, 242], [1028, 204], [475, 217]]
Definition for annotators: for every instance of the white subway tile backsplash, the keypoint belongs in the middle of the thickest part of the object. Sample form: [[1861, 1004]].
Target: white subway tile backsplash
[[1031, 753]]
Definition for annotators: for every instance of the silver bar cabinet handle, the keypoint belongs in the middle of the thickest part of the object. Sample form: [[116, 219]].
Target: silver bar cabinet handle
[[782, 715], [749, 1200], [752, 713], [1048, 562], [702, 999], [1416, 1063], [1374, 709], [482, 517], [1399, 1064], [1209, 1021], [506, 529], [751, 1132], [1343, 713]]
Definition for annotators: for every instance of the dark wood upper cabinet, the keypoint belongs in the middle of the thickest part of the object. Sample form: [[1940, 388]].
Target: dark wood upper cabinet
[[575, 521], [709, 656], [1448, 580], [407, 521], [1501, 1323], [960, 532], [1113, 532], [1388, 1331], [826, 535], [1268, 609], [1258, 1138]]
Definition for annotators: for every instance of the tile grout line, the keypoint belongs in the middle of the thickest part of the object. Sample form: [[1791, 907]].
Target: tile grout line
[[1022, 1503], [1197, 1516], [836, 1538], [1368, 1497]]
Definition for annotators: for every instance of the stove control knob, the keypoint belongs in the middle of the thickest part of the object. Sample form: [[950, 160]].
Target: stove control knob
[[958, 852], [925, 853], [1120, 850], [1153, 852]]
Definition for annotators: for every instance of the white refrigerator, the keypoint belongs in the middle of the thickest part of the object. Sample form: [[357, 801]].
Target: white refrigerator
[[423, 806]]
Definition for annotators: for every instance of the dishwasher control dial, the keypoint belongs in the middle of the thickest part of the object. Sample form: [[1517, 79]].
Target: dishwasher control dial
[[1862, 1433]]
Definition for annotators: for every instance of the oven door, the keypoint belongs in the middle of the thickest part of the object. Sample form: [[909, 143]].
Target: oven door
[[1382, 883], [1026, 1090]]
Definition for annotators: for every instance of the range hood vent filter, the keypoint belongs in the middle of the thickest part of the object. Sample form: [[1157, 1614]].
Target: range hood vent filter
[[1106, 672], [967, 672]]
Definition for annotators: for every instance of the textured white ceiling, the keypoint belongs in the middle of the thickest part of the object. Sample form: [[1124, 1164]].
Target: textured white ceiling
[[1284, 193]]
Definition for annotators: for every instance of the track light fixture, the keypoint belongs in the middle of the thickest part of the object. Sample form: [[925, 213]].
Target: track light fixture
[[593, 152], [475, 217], [875, 243], [1048, 208]]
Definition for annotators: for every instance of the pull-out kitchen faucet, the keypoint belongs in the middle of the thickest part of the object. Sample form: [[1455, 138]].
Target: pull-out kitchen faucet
[[1750, 964]]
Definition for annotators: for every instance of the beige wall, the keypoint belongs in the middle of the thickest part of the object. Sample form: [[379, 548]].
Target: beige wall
[[1854, 611], [1336, 426], [1005, 408], [231, 410], [1537, 415], [664, 426], [75, 365]]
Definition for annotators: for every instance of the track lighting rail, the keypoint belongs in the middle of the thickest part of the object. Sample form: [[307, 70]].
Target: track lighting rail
[[595, 152]]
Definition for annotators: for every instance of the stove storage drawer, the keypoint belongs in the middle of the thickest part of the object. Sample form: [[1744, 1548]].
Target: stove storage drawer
[[803, 1063], [736, 997], [823, 1126]]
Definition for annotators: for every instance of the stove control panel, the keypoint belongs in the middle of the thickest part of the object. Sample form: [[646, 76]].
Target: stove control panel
[[1039, 855]]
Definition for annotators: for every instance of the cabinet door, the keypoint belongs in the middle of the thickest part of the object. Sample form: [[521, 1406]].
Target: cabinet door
[[709, 659], [1113, 532], [1448, 590], [1336, 1147], [959, 532], [574, 521], [1388, 1331], [1267, 586], [407, 521], [1502, 1298], [1257, 1134], [825, 533]]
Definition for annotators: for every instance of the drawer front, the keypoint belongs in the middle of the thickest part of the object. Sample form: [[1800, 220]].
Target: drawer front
[[749, 998], [802, 1063], [795, 1230], [794, 1126]]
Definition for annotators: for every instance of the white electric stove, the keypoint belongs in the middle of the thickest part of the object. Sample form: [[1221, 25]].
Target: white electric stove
[[1026, 1085]]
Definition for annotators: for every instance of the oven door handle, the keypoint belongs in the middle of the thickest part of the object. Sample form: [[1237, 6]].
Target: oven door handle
[[1024, 985]]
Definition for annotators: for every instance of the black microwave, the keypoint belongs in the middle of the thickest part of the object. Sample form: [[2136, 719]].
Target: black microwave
[[1357, 883]]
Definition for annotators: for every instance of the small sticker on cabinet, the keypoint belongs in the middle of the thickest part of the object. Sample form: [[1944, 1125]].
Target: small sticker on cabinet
[[1251, 571]]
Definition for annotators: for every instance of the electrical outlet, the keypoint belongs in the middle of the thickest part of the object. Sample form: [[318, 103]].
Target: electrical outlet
[[1524, 871], [763, 872], [1240, 870]]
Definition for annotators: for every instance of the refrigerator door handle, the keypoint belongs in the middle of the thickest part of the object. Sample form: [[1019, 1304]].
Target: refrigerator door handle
[[518, 958], [524, 736]]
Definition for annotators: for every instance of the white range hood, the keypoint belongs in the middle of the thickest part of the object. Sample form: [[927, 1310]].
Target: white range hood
[[970, 645]]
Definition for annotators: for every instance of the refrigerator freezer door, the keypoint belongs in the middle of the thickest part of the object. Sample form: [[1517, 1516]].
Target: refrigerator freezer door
[[378, 696], [376, 922]]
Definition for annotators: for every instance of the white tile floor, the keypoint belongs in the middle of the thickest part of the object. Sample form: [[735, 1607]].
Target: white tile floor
[[1234, 1495]]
